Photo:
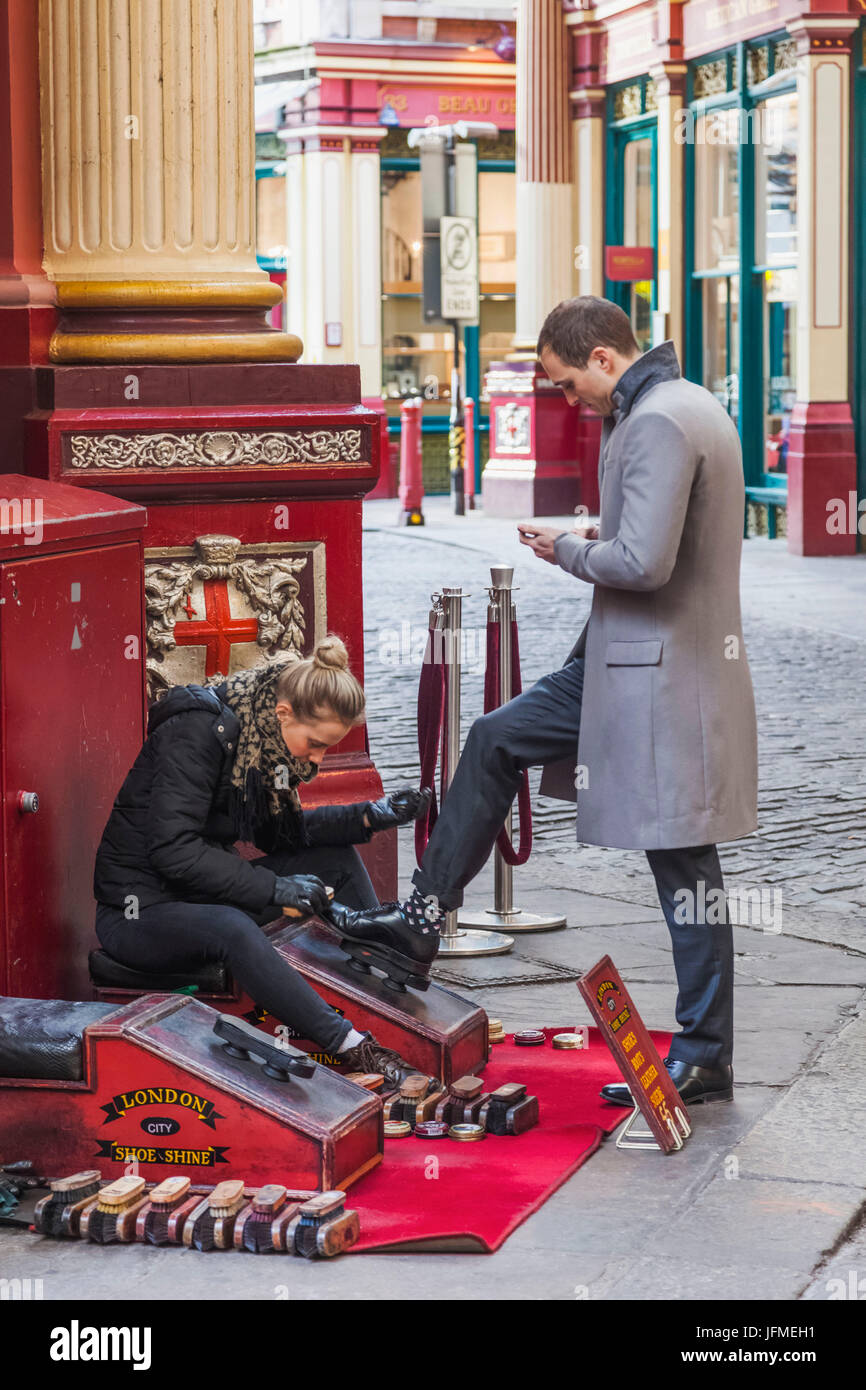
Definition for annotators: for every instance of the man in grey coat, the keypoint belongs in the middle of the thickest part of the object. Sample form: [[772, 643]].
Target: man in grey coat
[[650, 723]]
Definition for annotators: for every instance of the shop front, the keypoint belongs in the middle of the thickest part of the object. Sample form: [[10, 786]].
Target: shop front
[[723, 131], [340, 218], [742, 161], [418, 357]]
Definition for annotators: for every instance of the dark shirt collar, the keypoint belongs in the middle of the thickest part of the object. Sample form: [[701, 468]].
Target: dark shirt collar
[[659, 364]]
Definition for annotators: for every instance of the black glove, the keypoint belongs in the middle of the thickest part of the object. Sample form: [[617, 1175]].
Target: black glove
[[303, 891], [398, 808]]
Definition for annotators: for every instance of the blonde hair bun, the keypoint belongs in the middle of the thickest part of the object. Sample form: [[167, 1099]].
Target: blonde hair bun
[[331, 653], [322, 686]]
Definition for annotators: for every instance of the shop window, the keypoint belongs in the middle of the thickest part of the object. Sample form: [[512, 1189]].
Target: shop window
[[743, 308], [401, 232], [776, 260], [417, 356], [416, 359], [776, 180], [497, 256], [721, 346], [271, 221], [497, 232], [630, 218], [717, 190], [717, 251], [638, 219]]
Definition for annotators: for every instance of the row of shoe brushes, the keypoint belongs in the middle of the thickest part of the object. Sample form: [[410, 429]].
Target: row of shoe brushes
[[463, 1111], [174, 1212]]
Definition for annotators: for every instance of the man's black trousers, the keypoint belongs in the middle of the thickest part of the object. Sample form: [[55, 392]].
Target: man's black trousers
[[541, 726]]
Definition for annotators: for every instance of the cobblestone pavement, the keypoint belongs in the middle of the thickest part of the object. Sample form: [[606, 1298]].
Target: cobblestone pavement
[[805, 634]]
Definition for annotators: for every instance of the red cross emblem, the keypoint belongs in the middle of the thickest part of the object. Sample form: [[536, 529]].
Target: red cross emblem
[[511, 427], [218, 632]]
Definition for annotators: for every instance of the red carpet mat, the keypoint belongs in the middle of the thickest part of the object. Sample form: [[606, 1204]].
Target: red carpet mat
[[439, 1195]]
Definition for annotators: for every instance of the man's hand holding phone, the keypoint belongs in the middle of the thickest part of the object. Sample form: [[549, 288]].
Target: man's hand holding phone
[[540, 539]]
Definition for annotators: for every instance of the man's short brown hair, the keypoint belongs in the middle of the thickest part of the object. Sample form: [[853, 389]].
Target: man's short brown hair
[[576, 326]]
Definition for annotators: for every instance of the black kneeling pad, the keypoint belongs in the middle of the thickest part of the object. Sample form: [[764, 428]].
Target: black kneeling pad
[[110, 974], [40, 1039]]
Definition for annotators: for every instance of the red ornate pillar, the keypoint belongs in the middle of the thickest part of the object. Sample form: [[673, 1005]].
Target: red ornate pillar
[[27, 296], [163, 381]]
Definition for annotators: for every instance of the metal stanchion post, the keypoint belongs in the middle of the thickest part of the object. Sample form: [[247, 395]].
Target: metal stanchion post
[[469, 458], [454, 940], [504, 913]]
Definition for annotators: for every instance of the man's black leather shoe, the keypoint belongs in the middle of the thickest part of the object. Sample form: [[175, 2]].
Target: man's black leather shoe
[[381, 936], [695, 1084]]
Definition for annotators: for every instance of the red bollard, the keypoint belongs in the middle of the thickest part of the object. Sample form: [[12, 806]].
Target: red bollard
[[411, 489], [469, 460]]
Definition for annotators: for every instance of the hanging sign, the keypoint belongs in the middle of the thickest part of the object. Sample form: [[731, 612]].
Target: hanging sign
[[458, 243], [629, 262]]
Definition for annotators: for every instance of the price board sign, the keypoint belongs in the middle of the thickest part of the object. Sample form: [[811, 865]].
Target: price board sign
[[635, 1054]]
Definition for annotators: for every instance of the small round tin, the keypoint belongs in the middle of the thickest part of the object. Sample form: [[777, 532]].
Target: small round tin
[[466, 1134], [529, 1037], [567, 1040], [431, 1129], [397, 1129]]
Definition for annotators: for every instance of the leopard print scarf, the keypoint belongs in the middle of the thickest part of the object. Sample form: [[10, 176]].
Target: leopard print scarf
[[265, 774]]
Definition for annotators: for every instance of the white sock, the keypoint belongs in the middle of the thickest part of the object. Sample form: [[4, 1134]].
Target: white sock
[[352, 1038]]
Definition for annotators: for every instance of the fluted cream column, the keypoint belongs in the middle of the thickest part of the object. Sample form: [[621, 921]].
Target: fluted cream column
[[545, 247], [334, 275], [670, 79], [148, 167]]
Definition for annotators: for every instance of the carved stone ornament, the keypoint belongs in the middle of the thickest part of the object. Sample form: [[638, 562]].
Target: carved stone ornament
[[263, 584], [512, 428], [214, 449]]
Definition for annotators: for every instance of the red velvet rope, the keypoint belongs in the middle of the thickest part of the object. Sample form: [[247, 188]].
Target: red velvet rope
[[491, 702], [431, 716]]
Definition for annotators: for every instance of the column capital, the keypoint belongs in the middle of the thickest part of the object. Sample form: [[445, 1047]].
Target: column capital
[[587, 101], [148, 184], [824, 35], [308, 138], [670, 78]]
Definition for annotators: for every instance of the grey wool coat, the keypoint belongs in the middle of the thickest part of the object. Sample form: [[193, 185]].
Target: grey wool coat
[[667, 752]]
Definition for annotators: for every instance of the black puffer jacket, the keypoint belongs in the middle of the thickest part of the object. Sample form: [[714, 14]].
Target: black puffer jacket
[[169, 836]]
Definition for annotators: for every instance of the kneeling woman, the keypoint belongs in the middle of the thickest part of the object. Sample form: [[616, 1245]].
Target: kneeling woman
[[221, 763]]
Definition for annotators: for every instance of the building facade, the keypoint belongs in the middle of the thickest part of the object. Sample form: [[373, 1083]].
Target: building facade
[[713, 148], [339, 193]]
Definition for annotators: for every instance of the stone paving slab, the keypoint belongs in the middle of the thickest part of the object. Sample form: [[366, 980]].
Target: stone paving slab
[[815, 1130], [842, 1276]]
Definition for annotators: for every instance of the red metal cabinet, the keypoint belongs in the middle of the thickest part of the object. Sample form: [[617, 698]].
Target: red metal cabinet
[[71, 716]]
